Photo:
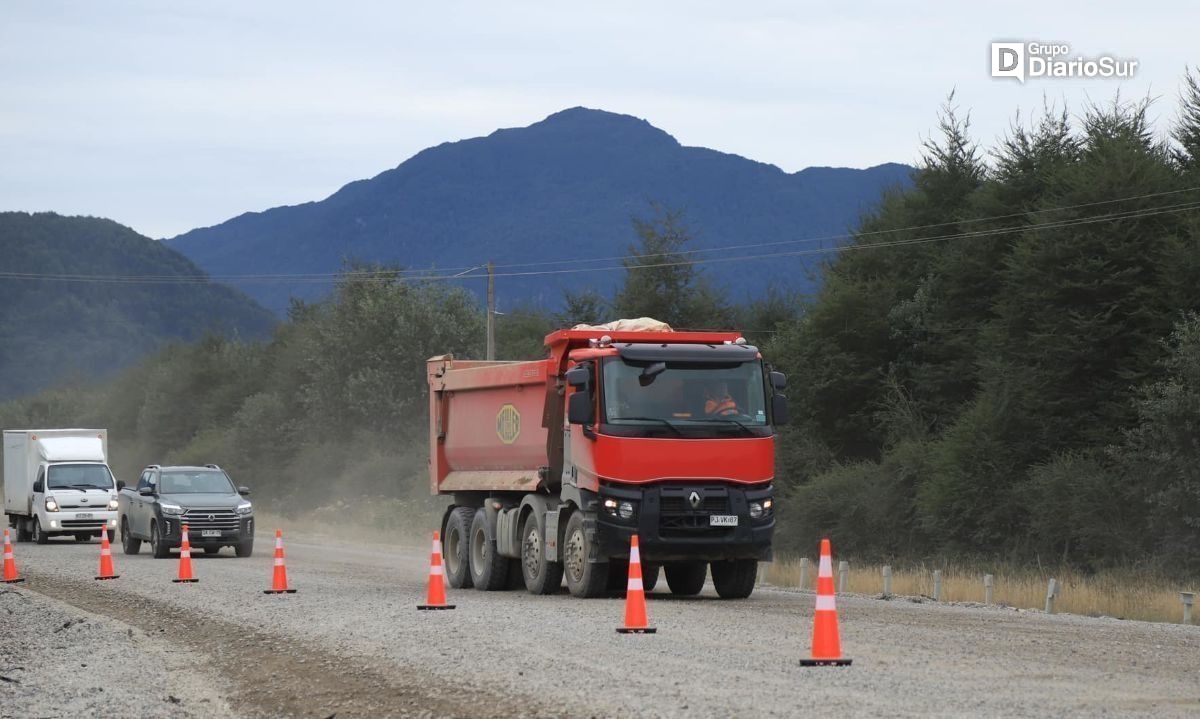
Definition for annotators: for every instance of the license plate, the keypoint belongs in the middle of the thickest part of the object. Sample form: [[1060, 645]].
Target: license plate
[[722, 520], [210, 532], [83, 515]]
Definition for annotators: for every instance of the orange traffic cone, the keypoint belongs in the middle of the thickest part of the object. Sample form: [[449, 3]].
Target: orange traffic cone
[[279, 582], [635, 596], [10, 564], [106, 565], [435, 598], [826, 643], [185, 560]]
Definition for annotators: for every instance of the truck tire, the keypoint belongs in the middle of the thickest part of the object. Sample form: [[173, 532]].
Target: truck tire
[[489, 571], [243, 549], [129, 543], [39, 537], [686, 578], [584, 579], [456, 548], [541, 576], [734, 578], [157, 545], [649, 576], [24, 530]]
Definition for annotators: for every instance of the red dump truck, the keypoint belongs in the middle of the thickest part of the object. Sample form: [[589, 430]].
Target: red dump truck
[[554, 464]]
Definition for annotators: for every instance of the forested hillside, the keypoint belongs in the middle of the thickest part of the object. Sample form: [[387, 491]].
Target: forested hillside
[[1004, 363], [71, 313]]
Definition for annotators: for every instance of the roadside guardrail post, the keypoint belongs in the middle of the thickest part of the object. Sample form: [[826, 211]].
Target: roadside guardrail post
[[843, 570], [937, 585], [887, 581], [803, 572], [987, 588], [1187, 598], [1051, 593]]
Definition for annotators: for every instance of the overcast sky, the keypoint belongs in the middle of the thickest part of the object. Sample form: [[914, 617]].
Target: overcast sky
[[169, 115]]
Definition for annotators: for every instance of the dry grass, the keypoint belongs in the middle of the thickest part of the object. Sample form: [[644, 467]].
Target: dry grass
[[1122, 593]]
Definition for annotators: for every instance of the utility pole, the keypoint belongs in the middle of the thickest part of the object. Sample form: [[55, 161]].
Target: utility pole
[[491, 312]]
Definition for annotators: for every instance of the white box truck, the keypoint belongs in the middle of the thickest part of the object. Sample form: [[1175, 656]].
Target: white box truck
[[57, 482]]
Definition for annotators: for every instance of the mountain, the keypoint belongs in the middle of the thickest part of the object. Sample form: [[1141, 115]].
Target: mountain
[[56, 329], [564, 188]]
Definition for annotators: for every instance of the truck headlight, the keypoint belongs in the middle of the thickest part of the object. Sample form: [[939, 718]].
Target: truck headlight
[[625, 510], [170, 508], [610, 506], [756, 510], [51, 504], [246, 508], [112, 504]]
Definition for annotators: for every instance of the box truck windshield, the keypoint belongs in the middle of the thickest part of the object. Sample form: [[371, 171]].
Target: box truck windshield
[[698, 396], [79, 476]]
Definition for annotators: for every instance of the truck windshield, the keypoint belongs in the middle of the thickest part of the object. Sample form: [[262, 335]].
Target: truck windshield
[[195, 481], [686, 398], [79, 476]]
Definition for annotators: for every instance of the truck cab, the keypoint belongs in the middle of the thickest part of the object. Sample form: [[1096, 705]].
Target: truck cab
[[57, 483], [204, 499]]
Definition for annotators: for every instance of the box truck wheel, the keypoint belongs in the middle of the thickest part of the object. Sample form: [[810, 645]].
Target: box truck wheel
[[584, 579], [489, 571], [734, 578], [39, 537], [129, 543], [541, 576], [686, 578], [457, 547], [24, 527]]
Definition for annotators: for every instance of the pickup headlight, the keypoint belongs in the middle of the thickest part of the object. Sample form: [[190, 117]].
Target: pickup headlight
[[112, 504], [51, 504], [170, 508], [245, 508]]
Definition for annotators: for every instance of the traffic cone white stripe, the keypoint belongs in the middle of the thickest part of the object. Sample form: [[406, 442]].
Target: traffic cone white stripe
[[278, 561], [635, 584], [437, 546], [635, 555], [437, 569], [825, 569], [826, 603]]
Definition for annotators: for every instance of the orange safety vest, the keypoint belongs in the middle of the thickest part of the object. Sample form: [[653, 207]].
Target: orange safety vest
[[721, 407]]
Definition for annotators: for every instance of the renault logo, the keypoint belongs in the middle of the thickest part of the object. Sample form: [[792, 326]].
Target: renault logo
[[212, 517], [694, 499]]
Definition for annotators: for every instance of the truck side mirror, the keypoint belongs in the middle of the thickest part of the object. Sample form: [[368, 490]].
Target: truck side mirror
[[779, 410], [120, 484], [146, 491], [580, 408], [244, 491], [579, 376], [39, 486], [778, 381]]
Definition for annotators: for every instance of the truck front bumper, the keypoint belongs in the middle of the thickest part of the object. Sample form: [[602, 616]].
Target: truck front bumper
[[674, 522], [71, 521]]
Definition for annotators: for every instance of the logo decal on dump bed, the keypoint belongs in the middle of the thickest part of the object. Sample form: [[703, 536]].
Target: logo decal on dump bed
[[508, 424]]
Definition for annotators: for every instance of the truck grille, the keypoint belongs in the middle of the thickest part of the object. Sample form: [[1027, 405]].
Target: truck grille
[[210, 519], [82, 523], [678, 518]]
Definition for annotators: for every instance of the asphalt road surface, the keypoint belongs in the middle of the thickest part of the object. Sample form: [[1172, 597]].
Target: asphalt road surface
[[352, 643]]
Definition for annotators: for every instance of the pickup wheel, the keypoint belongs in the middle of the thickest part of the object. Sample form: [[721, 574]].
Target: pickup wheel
[[584, 579], [489, 571], [734, 578], [541, 576], [686, 578], [159, 547], [456, 548], [129, 543], [38, 536], [244, 549]]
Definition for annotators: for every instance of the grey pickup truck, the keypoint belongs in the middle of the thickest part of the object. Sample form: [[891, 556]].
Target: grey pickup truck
[[216, 512]]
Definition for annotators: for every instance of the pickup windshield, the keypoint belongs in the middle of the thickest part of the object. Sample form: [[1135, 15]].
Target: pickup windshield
[[79, 476], [686, 398], [195, 481]]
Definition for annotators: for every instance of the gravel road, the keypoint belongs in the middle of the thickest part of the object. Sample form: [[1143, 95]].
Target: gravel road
[[352, 643]]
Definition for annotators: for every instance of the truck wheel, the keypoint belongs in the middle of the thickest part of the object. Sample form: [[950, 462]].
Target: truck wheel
[[541, 576], [649, 576], [584, 579], [686, 578], [489, 571], [129, 543], [244, 549], [157, 544], [24, 530], [456, 550], [734, 578], [39, 537]]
